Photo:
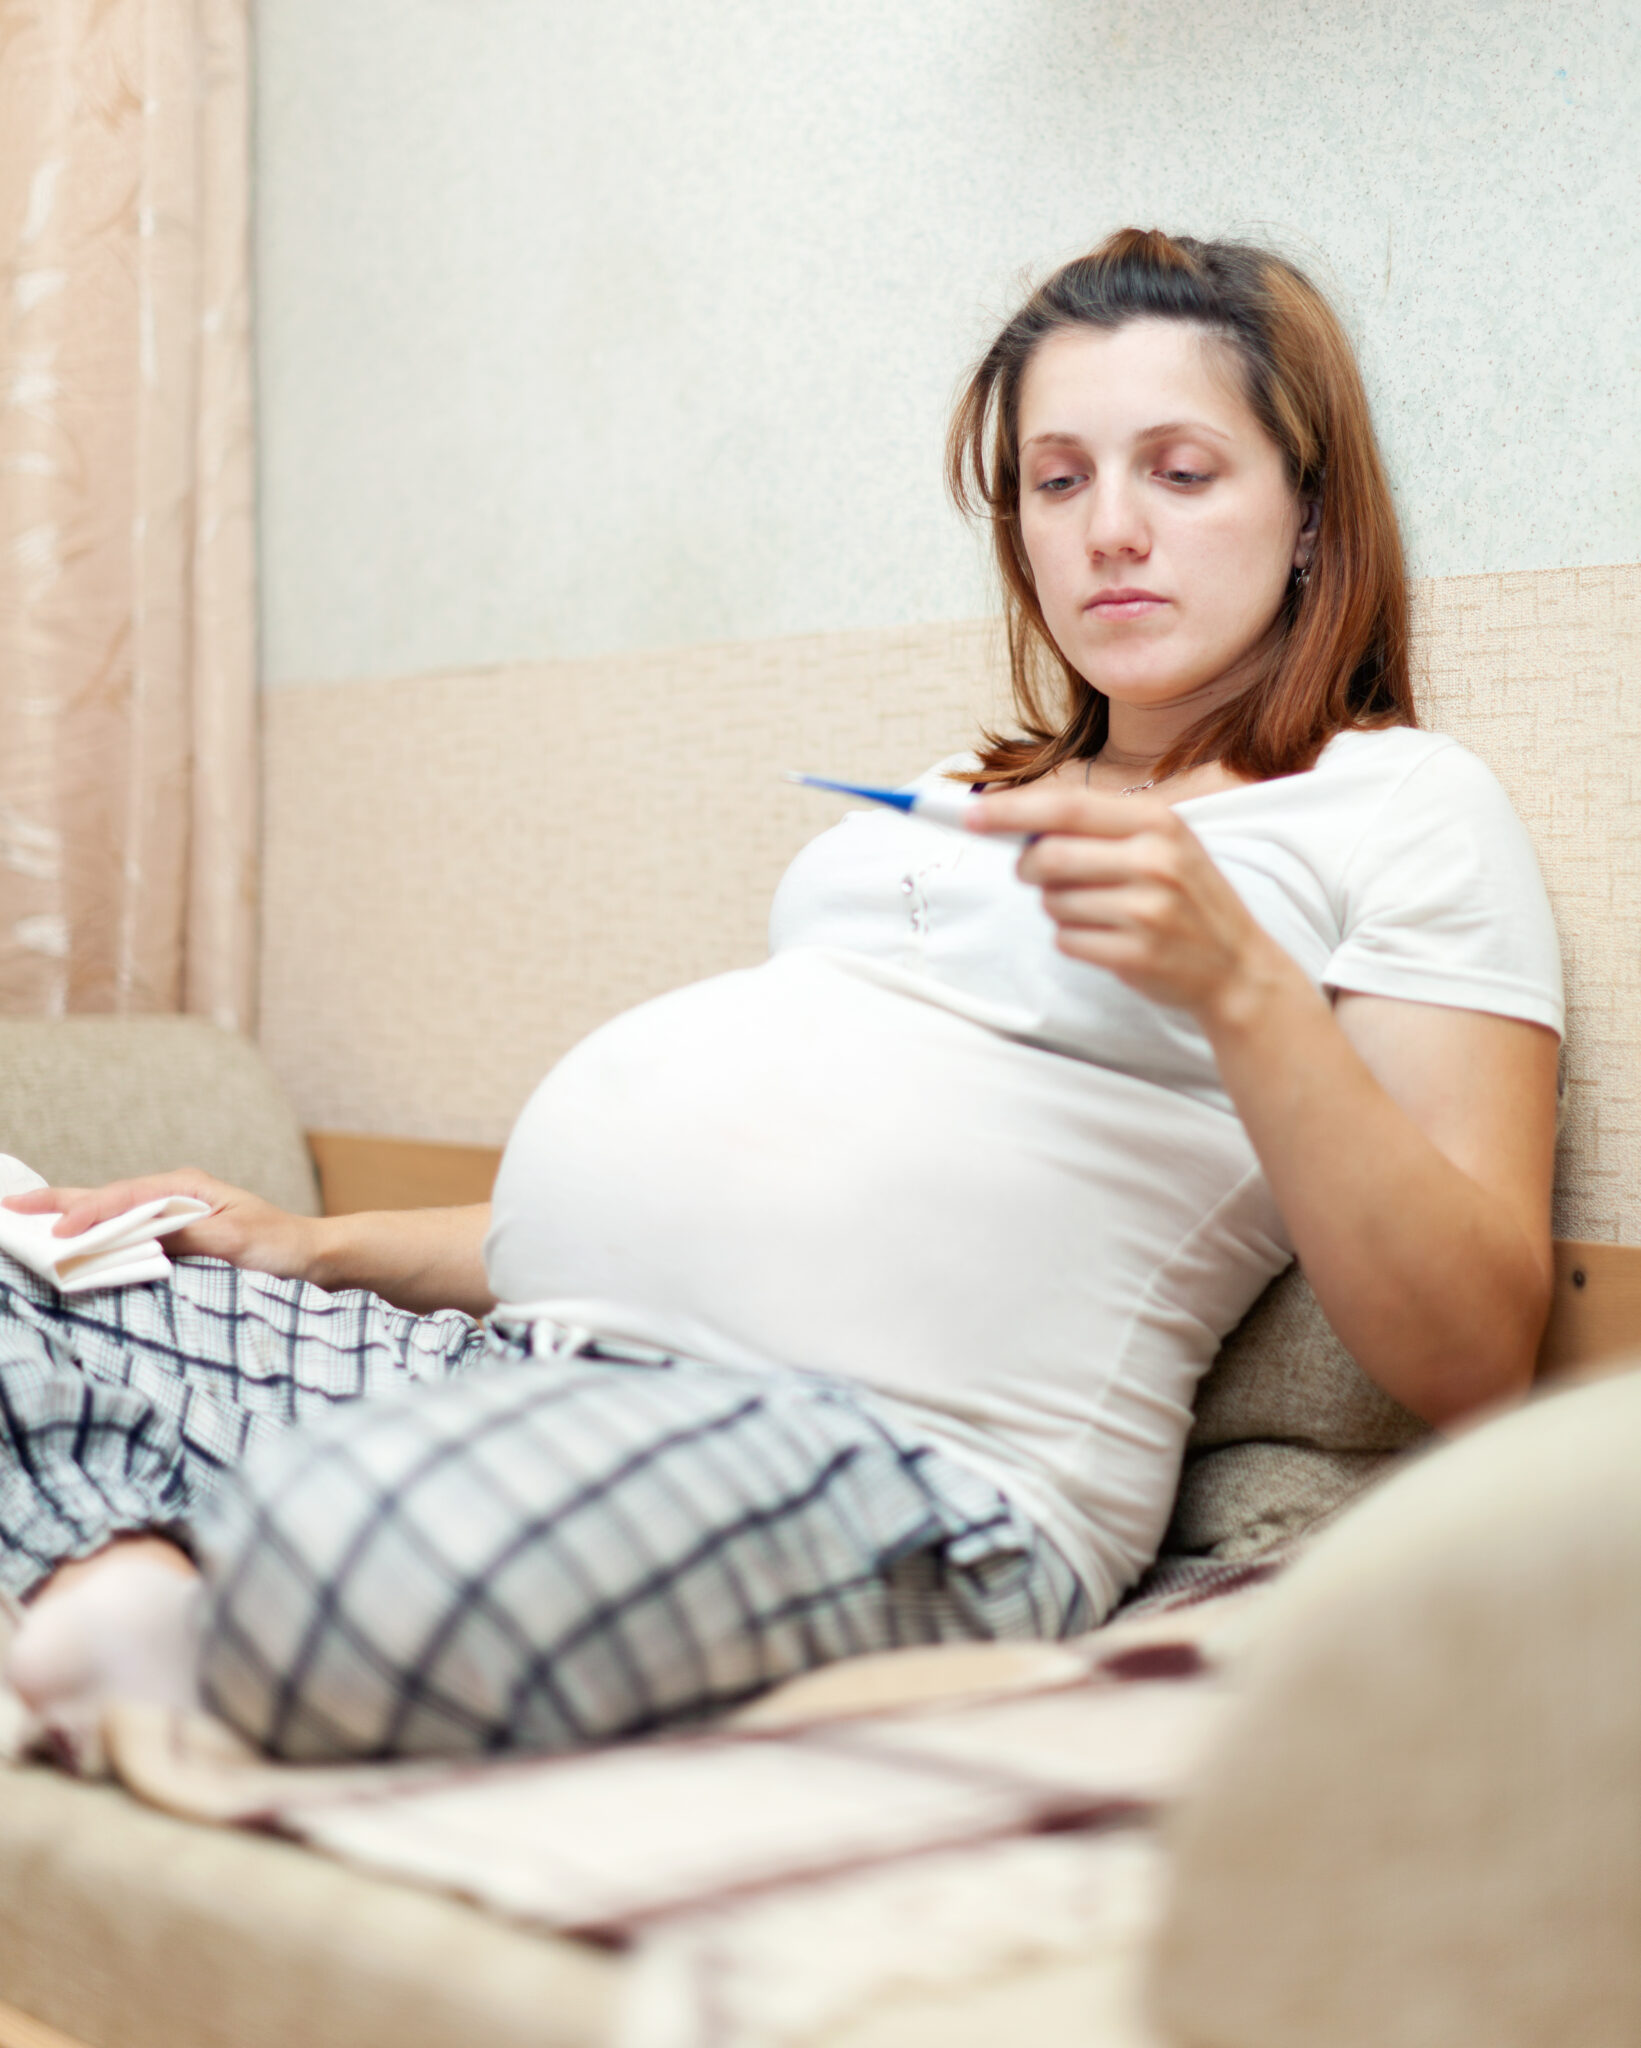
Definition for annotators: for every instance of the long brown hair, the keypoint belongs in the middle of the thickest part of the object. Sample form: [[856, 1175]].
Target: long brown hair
[[1340, 656]]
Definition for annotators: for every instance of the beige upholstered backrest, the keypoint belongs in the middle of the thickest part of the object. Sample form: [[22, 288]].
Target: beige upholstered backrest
[[466, 873], [1541, 675], [85, 1100]]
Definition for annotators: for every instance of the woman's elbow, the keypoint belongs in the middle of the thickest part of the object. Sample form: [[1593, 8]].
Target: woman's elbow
[[1490, 1360]]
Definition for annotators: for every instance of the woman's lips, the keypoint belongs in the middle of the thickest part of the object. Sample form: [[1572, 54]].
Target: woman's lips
[[1125, 604]]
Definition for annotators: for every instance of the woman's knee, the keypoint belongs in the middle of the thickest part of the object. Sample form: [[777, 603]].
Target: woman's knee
[[397, 1580], [324, 1587]]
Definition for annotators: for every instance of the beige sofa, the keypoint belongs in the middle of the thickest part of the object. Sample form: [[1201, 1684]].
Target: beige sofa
[[1461, 1587], [1342, 1800]]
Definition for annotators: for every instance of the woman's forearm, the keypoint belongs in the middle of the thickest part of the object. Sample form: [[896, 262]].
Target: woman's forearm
[[421, 1259], [1437, 1285]]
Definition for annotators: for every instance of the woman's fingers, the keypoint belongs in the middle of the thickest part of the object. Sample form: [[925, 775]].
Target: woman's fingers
[[1126, 954], [82, 1208], [1130, 887], [1141, 907], [1077, 812], [1149, 880], [41, 1201], [1065, 863], [241, 1227]]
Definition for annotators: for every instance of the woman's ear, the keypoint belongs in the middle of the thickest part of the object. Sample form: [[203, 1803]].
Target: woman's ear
[[1310, 527]]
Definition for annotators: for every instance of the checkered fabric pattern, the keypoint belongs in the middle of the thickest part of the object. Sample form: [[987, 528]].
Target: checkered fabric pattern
[[558, 1551], [495, 1549], [122, 1409]]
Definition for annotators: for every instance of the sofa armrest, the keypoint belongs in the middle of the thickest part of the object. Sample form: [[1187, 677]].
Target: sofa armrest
[[359, 1172], [1595, 1317], [17, 2030]]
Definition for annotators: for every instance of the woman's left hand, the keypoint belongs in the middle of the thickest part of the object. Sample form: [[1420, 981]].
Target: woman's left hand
[[1133, 890]]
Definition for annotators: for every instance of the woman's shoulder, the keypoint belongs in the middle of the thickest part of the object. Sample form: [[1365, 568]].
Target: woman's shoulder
[[1361, 775], [1375, 792], [1393, 765], [1386, 753], [1392, 756], [1436, 879]]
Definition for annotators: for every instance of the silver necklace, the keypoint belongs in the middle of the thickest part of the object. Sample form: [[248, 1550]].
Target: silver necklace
[[1133, 789]]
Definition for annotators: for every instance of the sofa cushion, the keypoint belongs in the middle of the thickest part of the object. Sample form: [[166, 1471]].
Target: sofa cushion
[[1288, 1429], [90, 1099], [1282, 1376], [127, 1929]]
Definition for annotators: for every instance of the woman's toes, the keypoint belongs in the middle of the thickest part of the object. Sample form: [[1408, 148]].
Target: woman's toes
[[128, 1628]]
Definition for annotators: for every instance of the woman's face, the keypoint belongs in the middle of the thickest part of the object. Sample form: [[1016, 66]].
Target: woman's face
[[1156, 512]]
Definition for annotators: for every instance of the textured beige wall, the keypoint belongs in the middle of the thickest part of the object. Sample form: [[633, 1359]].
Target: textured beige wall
[[466, 873]]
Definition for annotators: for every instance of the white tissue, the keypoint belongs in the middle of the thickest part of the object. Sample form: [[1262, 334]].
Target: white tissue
[[16, 1178], [117, 1253]]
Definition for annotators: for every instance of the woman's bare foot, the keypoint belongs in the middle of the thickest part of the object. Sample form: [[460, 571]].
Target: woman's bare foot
[[154, 1549], [121, 1624]]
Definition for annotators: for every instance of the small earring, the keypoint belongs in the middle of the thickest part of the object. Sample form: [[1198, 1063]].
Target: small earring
[[1301, 575]]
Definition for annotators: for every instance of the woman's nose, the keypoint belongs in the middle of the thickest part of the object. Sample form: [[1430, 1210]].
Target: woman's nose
[[1115, 523]]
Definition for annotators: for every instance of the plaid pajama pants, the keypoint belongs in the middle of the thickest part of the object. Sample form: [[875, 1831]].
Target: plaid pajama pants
[[419, 1536]]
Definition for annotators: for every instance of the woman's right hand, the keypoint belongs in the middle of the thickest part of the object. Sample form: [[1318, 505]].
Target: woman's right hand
[[241, 1228]]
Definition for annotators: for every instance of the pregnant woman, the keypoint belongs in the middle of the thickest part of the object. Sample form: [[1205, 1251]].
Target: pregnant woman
[[858, 1298]]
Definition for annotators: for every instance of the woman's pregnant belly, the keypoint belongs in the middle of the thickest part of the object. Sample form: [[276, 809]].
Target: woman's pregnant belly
[[820, 1163]]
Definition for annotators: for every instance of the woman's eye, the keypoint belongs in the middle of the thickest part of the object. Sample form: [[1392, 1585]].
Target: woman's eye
[[1187, 476], [1057, 486]]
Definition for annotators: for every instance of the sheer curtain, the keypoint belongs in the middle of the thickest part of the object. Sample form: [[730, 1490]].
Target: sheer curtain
[[127, 686]]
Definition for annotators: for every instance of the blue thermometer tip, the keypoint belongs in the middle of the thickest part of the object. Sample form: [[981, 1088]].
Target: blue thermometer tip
[[900, 799]]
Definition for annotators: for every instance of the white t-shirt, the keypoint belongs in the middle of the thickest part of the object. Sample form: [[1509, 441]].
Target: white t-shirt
[[920, 1148]]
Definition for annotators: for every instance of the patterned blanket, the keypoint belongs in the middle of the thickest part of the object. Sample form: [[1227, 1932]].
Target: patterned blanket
[[854, 1765], [912, 1820]]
